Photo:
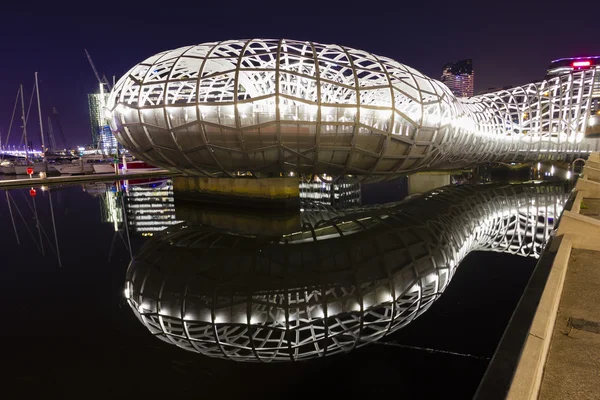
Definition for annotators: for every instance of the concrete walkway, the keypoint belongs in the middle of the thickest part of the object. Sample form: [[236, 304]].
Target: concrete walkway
[[561, 356], [66, 179], [590, 207], [573, 365]]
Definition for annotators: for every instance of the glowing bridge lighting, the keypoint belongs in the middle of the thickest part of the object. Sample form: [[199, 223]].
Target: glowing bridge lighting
[[292, 312], [274, 106], [582, 63]]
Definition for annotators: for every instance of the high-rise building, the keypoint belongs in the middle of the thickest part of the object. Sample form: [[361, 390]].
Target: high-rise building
[[102, 136], [567, 65], [340, 194], [459, 77], [564, 66]]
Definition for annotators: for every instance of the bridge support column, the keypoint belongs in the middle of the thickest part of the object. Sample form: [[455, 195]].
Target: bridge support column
[[422, 182], [275, 193]]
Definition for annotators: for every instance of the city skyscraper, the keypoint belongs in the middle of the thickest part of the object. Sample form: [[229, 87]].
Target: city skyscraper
[[102, 136], [342, 194], [569, 65], [459, 77]]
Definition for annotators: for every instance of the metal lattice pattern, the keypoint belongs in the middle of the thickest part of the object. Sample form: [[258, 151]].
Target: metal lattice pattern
[[333, 286], [281, 105]]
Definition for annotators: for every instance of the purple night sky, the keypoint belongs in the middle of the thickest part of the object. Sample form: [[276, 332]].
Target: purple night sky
[[510, 42]]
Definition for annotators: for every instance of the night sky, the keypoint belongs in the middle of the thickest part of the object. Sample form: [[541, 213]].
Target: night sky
[[510, 42]]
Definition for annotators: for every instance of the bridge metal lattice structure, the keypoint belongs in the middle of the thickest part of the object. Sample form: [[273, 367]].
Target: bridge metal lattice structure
[[334, 285], [277, 106]]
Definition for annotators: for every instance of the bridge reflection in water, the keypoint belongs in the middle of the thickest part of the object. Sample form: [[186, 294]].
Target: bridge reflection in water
[[337, 283]]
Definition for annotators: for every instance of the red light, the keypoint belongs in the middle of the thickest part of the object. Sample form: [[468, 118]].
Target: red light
[[29, 171], [582, 64], [32, 192]]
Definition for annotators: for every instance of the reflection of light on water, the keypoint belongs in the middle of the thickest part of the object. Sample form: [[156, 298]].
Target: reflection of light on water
[[504, 220], [113, 210], [149, 208]]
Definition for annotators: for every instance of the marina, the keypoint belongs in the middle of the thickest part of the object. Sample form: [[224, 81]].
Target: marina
[[66, 179], [493, 234], [290, 202], [133, 224]]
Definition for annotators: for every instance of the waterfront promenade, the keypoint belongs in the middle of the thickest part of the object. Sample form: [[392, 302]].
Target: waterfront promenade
[[561, 355], [21, 181]]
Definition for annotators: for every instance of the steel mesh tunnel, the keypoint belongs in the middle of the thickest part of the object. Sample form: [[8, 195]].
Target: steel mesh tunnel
[[334, 285], [276, 106]]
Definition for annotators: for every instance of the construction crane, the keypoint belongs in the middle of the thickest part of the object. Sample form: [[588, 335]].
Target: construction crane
[[60, 130], [102, 80], [51, 135]]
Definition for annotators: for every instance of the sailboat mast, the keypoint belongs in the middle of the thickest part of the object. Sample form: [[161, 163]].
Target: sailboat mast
[[24, 125], [39, 226], [124, 210], [54, 228], [51, 135], [37, 89], [12, 218]]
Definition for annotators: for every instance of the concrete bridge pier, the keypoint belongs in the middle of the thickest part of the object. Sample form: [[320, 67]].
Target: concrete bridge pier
[[266, 193], [422, 182]]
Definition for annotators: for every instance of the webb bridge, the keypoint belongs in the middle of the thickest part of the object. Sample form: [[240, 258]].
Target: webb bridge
[[337, 283], [266, 107]]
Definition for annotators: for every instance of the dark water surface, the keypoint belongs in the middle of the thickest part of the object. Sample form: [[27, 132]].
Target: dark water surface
[[68, 331]]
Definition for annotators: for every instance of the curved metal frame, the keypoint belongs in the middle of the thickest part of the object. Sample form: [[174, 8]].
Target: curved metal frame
[[283, 105], [338, 283]]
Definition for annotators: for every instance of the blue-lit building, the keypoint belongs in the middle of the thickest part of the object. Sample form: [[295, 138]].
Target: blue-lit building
[[102, 136]]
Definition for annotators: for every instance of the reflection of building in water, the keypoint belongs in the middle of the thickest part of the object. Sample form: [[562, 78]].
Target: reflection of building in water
[[110, 202], [342, 194], [111, 209], [150, 207], [336, 283]]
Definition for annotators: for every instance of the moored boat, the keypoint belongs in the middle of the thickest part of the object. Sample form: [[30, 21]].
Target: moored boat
[[7, 168], [138, 166], [21, 169], [131, 166], [104, 168], [76, 167], [83, 165]]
